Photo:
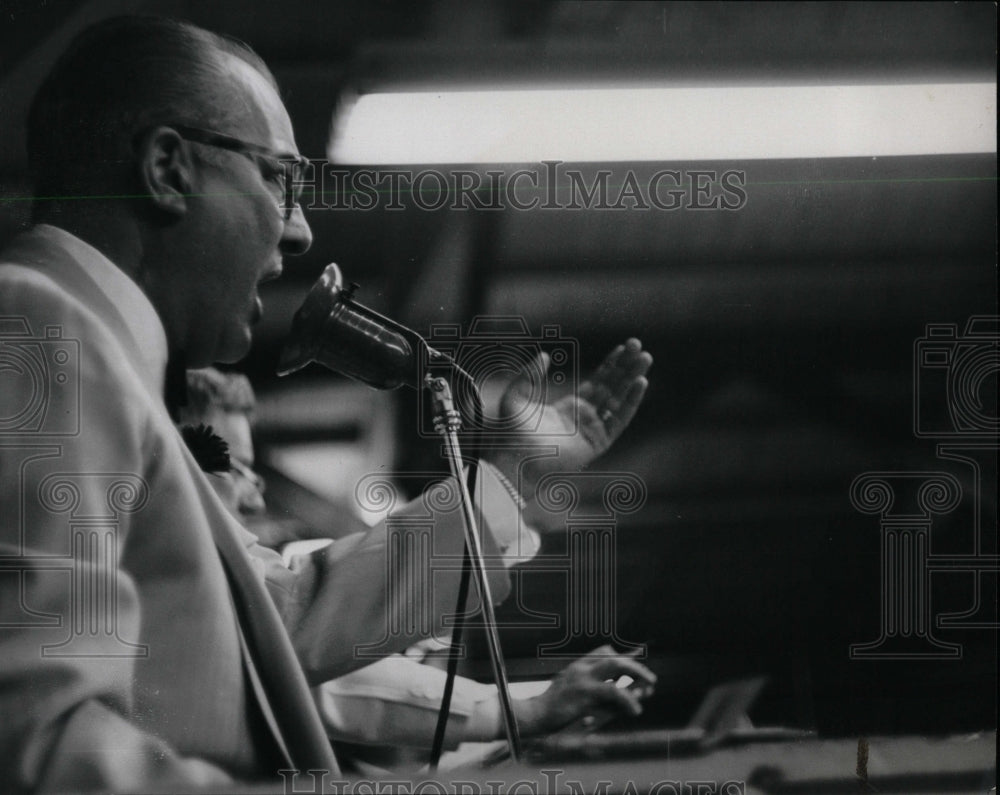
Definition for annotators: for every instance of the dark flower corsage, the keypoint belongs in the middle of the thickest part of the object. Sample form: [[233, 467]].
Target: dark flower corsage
[[209, 449]]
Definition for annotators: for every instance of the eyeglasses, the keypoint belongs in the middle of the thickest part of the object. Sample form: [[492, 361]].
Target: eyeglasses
[[286, 170]]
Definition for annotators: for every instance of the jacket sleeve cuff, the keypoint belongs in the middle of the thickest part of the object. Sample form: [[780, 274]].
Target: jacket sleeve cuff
[[501, 507]]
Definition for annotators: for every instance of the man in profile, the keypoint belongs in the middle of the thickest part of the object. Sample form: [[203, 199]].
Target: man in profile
[[146, 641], [394, 701]]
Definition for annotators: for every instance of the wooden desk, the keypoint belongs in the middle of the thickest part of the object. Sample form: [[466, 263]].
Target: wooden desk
[[957, 764]]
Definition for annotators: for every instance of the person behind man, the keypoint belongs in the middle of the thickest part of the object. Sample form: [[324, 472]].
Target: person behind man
[[394, 701], [146, 640]]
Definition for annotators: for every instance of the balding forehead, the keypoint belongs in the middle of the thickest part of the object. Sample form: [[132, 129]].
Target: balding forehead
[[258, 103]]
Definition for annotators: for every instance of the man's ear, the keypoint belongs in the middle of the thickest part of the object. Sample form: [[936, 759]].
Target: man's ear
[[166, 169]]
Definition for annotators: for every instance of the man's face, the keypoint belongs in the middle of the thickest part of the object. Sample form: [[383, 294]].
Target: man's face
[[241, 228]]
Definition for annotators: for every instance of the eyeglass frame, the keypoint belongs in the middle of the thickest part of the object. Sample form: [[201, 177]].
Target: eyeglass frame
[[289, 167]]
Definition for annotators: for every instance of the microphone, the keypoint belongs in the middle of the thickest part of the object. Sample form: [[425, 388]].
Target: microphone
[[335, 330]]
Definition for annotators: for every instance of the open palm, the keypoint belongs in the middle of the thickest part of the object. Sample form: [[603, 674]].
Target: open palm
[[576, 428]]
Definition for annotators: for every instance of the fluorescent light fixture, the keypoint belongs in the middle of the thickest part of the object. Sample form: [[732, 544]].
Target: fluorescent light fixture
[[663, 124]]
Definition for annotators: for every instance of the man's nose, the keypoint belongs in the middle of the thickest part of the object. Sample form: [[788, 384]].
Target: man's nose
[[297, 237]]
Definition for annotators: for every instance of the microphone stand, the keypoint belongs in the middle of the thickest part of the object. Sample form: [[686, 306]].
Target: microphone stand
[[333, 329], [447, 422]]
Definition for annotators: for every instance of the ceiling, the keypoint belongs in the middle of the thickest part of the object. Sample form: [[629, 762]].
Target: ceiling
[[764, 34], [314, 45]]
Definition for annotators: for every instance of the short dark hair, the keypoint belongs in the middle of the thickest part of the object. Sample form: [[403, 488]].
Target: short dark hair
[[118, 77]]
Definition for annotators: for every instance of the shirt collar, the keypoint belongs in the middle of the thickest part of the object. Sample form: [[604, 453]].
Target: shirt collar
[[138, 314]]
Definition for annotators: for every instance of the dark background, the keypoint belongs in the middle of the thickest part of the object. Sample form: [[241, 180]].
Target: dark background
[[783, 333]]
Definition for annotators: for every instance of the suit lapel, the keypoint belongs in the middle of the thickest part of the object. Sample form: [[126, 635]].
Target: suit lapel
[[288, 698], [278, 681]]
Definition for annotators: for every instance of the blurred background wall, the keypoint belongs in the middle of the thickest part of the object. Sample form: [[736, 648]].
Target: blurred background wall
[[784, 332]]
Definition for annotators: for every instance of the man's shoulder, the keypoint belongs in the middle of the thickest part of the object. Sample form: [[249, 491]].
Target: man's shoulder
[[38, 311], [31, 246], [40, 299], [41, 279], [94, 396], [24, 269]]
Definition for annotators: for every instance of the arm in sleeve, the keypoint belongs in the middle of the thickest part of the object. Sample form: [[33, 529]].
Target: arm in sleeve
[[395, 701], [375, 593], [517, 541], [66, 711], [371, 594]]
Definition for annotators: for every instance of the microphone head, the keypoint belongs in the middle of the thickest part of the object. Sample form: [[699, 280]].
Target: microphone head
[[334, 330], [302, 344]]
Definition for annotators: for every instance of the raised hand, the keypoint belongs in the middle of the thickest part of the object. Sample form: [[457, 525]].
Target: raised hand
[[580, 426]]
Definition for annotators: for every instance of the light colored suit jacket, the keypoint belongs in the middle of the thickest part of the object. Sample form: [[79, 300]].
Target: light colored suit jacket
[[146, 641]]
